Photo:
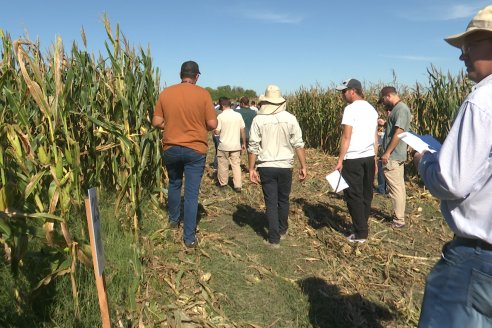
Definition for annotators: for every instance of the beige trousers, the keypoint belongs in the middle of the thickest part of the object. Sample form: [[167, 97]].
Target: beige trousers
[[395, 179], [224, 158]]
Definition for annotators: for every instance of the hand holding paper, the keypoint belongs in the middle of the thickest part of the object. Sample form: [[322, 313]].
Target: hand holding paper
[[420, 143], [336, 181]]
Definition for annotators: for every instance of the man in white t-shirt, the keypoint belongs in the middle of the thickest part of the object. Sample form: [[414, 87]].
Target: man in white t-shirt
[[357, 161], [232, 139]]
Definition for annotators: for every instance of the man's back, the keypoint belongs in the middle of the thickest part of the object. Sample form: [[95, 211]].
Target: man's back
[[274, 137], [229, 126], [248, 115], [185, 108]]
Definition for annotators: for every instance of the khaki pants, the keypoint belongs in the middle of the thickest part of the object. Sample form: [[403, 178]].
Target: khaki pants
[[395, 179], [225, 158]]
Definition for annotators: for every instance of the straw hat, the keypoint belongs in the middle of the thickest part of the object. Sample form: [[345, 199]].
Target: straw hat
[[272, 101], [481, 22]]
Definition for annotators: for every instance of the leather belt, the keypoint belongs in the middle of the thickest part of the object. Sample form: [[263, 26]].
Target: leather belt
[[473, 243]]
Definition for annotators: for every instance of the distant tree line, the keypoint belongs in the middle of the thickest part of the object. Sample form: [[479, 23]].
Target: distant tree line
[[233, 93]]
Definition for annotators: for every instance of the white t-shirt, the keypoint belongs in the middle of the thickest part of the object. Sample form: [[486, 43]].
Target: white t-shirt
[[229, 128], [363, 119]]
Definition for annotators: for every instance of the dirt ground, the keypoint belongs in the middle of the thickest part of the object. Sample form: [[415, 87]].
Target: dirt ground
[[315, 279]]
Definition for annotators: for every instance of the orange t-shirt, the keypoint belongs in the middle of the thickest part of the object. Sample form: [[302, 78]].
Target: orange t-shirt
[[185, 108]]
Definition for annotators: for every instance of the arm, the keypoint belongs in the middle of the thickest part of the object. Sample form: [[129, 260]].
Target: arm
[[344, 145], [462, 164], [243, 138], [302, 160], [253, 175], [376, 146], [211, 124], [158, 122], [392, 145], [218, 127]]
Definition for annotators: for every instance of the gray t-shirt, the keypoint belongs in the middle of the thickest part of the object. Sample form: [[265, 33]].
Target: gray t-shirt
[[400, 116]]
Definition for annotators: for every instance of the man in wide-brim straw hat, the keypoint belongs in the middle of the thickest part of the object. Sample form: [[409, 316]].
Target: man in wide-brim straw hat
[[272, 101], [458, 291], [274, 137]]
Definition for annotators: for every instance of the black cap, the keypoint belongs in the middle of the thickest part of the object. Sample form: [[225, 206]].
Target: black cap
[[350, 84], [190, 68]]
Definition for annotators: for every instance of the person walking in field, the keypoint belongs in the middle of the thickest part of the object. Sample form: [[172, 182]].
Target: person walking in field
[[247, 113], [357, 156], [458, 291], [215, 137], [395, 151], [232, 139], [185, 113], [274, 138]]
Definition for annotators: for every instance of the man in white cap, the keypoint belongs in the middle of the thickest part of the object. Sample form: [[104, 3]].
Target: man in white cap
[[357, 157], [274, 137], [458, 291]]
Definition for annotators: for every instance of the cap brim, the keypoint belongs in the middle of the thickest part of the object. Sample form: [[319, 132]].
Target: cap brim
[[341, 87]]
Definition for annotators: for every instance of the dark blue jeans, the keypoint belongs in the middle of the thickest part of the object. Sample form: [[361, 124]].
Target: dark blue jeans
[[276, 184], [216, 140], [182, 160], [381, 189]]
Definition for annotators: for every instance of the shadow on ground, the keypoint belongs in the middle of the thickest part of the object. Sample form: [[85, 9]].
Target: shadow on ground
[[329, 308], [247, 215], [322, 215]]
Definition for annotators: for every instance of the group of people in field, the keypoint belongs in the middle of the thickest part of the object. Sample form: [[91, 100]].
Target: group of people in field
[[458, 290]]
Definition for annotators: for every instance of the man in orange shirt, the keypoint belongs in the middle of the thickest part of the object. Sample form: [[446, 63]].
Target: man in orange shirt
[[185, 113]]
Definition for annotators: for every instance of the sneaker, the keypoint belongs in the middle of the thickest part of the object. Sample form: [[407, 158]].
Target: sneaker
[[396, 225], [191, 245], [352, 239], [271, 245], [238, 190], [173, 225], [283, 235]]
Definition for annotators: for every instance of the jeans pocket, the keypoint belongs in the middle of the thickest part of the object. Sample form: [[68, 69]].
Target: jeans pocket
[[480, 293]]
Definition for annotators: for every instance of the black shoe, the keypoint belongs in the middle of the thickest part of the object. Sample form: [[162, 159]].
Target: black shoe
[[238, 190], [173, 225]]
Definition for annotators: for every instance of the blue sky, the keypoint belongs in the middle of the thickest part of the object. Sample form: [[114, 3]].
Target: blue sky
[[252, 44]]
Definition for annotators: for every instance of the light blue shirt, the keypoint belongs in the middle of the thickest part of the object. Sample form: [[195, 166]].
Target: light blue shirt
[[460, 174]]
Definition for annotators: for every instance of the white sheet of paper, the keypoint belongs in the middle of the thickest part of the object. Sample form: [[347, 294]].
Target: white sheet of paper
[[336, 181], [420, 143]]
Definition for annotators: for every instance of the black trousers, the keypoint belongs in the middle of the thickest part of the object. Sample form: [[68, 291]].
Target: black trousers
[[359, 175], [276, 184]]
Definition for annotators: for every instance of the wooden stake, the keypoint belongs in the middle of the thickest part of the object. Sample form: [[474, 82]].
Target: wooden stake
[[101, 290]]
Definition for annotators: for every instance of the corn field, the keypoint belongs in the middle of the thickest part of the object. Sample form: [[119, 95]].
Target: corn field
[[69, 122], [433, 108]]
